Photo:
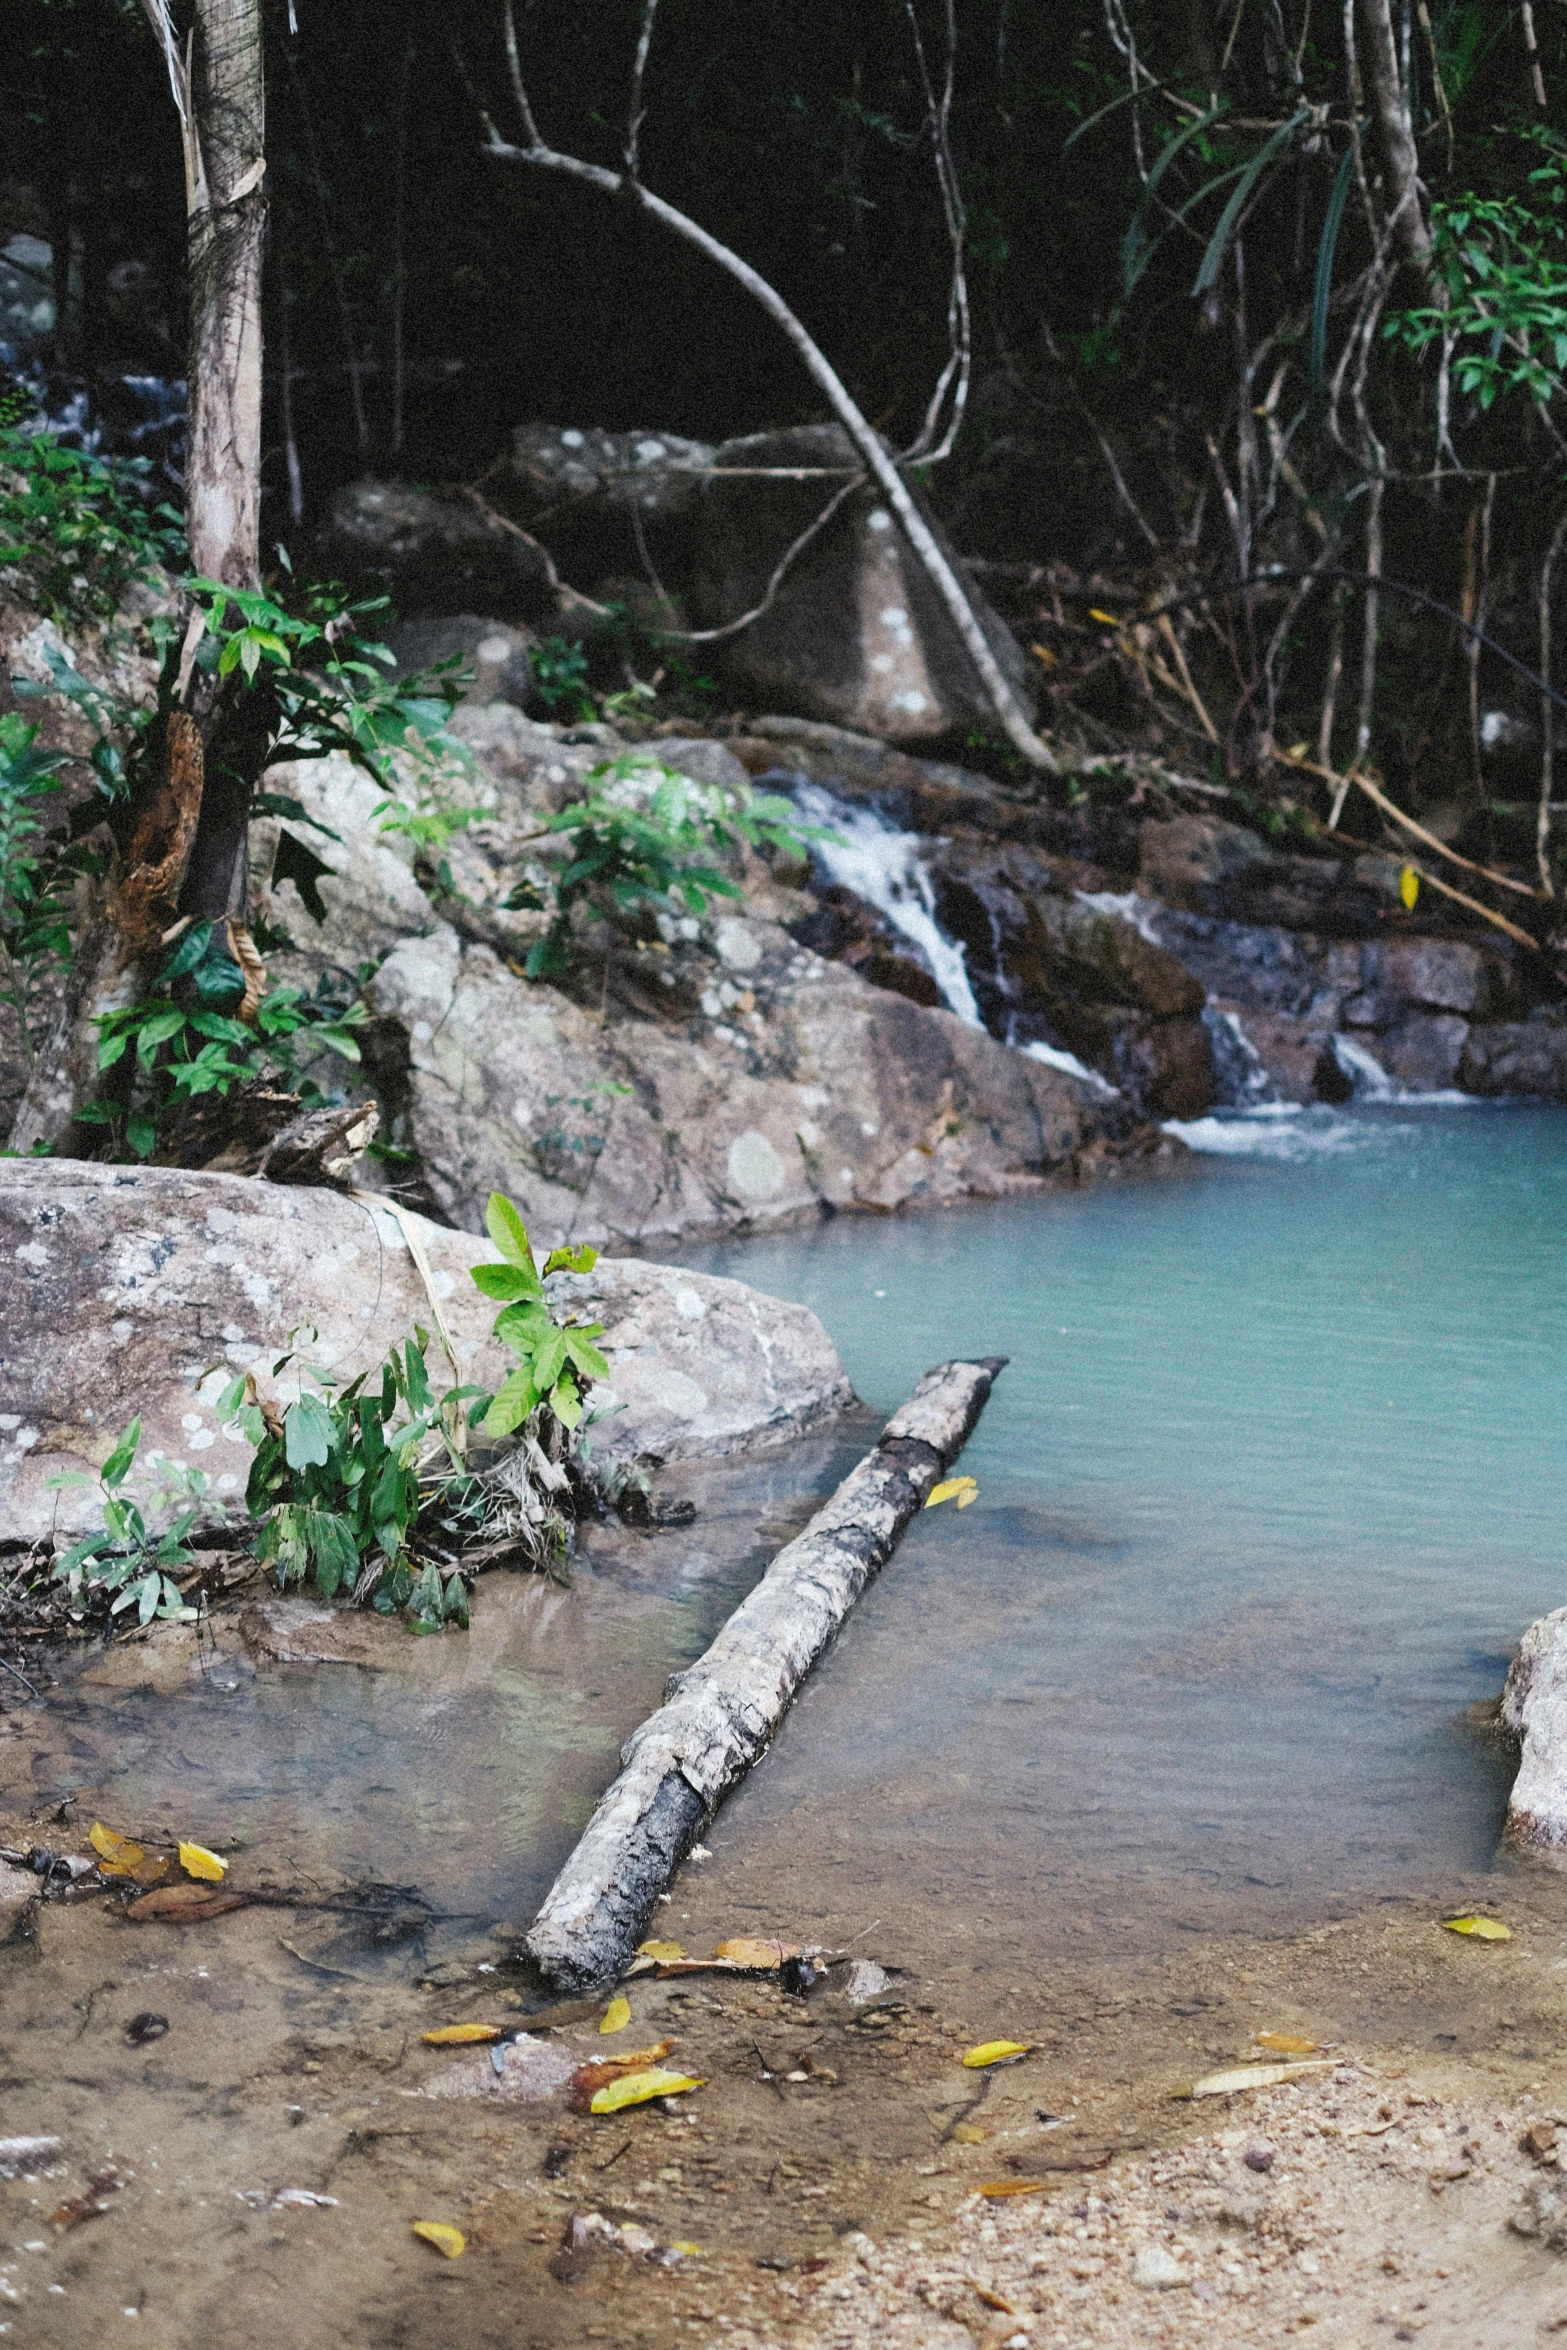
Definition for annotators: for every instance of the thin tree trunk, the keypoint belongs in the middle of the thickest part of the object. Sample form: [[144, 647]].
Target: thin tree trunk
[[400, 256], [1378, 54], [184, 846]]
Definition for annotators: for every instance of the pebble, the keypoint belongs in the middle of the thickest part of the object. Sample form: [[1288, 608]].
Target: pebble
[[1261, 2155], [1157, 2269]]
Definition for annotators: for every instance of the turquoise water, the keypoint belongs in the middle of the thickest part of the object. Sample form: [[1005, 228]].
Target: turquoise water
[[1274, 1481]]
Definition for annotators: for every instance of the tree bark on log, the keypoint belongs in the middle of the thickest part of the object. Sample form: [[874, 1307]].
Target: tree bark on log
[[721, 1714]]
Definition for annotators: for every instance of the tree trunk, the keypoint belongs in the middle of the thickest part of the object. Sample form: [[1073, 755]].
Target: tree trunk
[[721, 1714], [182, 846], [1395, 133]]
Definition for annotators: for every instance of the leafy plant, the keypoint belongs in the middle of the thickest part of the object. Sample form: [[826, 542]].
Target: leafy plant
[[555, 1360], [560, 676], [1503, 262], [340, 1478], [35, 931], [126, 1554], [187, 1041], [630, 850], [78, 528]]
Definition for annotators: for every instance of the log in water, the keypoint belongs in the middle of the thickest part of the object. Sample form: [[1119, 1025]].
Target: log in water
[[719, 1716]]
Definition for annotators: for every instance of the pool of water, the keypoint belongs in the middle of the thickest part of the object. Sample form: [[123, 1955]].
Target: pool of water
[[1273, 1482]]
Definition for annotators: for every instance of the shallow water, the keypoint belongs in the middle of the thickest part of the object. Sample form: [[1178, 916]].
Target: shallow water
[[1273, 1483]]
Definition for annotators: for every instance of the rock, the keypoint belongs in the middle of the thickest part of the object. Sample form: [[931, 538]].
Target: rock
[[145, 1289], [1422, 1051], [432, 552], [1191, 860], [367, 889], [866, 1981], [18, 1900], [578, 488], [1166, 1066], [792, 1087], [1295, 1056], [856, 635], [1157, 2270], [20, 2155], [919, 795], [1261, 2155], [1543, 2213], [1534, 1709], [1521, 1056], [497, 652]]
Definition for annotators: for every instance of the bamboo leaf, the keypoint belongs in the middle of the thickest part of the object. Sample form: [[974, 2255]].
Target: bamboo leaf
[[1213, 260]]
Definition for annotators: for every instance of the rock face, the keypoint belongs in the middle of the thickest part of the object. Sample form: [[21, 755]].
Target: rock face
[[498, 654], [856, 634], [1534, 1709], [788, 1087], [431, 554], [146, 1289], [586, 493]]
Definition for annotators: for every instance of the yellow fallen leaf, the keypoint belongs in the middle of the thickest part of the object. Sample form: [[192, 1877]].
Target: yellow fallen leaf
[[1255, 2076], [617, 2015], [1409, 887], [638, 2088], [995, 2052], [458, 2035], [451, 2241], [1108, 618], [751, 1950], [1286, 2044], [118, 1856], [662, 1952], [951, 1488], [1043, 655], [969, 1493], [996, 2188], [197, 1861], [679, 2244], [969, 2134], [1483, 1929]]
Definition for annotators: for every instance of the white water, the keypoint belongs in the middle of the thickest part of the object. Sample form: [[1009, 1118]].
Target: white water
[[887, 869], [1373, 1084], [1141, 912]]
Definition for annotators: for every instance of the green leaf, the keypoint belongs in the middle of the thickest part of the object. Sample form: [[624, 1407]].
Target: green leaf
[[117, 1467], [141, 1134], [1213, 258], [570, 1260], [507, 1282], [584, 1354], [514, 1400], [549, 1359], [1326, 252], [307, 1433], [333, 1550], [565, 1402], [507, 1230]]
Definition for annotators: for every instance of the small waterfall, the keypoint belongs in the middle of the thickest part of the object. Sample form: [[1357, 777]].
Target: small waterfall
[[886, 868], [1365, 1073], [1243, 1082]]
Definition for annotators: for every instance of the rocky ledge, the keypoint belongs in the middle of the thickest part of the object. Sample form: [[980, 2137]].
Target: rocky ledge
[[146, 1289], [1534, 1710]]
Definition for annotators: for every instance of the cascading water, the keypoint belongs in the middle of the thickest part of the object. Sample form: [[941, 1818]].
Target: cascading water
[[886, 868], [1365, 1073]]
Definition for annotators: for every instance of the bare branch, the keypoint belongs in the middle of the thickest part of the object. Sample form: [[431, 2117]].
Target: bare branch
[[634, 111], [514, 67], [957, 371], [879, 461]]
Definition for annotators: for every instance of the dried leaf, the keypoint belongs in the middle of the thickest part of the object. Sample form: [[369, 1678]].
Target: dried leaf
[[1483, 1929], [995, 2052], [1109, 618], [589, 2079], [746, 1951], [996, 2188], [118, 1856], [451, 2241], [681, 2244], [663, 1952], [1286, 2044], [458, 2035], [1255, 2076], [1409, 887], [639, 2088], [963, 1490], [969, 2133], [183, 1905], [197, 1861], [617, 2015]]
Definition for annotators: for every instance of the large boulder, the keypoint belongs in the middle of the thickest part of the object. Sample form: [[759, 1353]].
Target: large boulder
[[146, 1289], [432, 552], [497, 657], [737, 1080], [1517, 1056], [1534, 1709], [856, 635], [603, 500]]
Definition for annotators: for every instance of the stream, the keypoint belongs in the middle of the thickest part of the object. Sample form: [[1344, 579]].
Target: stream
[[1272, 1486]]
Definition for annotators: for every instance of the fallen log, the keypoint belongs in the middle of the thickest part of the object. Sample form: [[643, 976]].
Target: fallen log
[[720, 1715]]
